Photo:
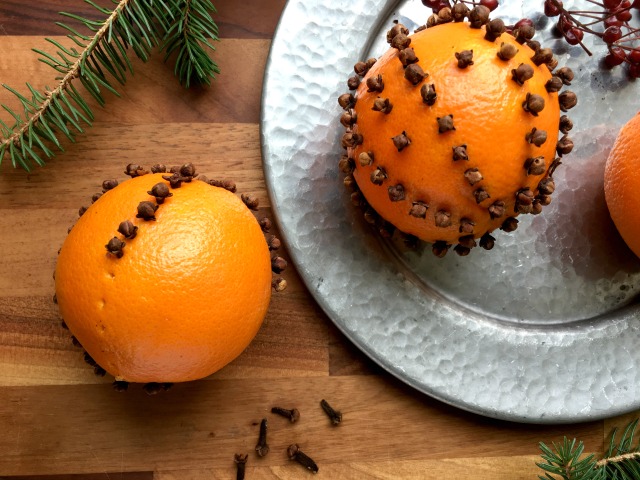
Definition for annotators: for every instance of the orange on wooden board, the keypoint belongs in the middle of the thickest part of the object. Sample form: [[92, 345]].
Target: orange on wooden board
[[186, 295], [423, 185], [622, 183]]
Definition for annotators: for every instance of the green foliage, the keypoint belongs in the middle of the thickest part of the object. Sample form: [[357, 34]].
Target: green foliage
[[566, 461], [189, 38], [99, 61]]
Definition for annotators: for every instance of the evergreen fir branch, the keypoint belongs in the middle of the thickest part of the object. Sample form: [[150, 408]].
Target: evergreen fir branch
[[189, 37], [99, 61], [621, 461]]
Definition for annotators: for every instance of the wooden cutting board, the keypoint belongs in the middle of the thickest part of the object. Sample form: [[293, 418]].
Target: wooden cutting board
[[57, 418]]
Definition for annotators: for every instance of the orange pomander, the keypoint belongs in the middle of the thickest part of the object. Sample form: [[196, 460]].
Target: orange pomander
[[164, 279], [622, 184], [453, 132]]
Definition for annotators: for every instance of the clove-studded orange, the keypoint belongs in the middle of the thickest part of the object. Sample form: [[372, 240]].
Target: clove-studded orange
[[164, 281], [622, 183], [450, 133]]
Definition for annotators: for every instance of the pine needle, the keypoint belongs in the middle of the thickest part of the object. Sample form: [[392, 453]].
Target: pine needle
[[566, 461], [102, 60]]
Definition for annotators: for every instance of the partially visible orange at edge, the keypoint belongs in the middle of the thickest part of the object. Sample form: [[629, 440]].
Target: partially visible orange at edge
[[622, 183]]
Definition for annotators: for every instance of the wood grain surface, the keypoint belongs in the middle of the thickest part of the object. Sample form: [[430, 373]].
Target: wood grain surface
[[60, 421]]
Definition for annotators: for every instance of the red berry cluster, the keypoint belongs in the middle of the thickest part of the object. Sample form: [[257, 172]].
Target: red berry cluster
[[608, 20]]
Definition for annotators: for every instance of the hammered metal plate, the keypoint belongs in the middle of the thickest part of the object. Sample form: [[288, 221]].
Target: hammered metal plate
[[544, 328]]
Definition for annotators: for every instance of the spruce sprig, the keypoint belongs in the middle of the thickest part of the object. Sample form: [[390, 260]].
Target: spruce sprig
[[99, 61], [189, 38], [621, 461]]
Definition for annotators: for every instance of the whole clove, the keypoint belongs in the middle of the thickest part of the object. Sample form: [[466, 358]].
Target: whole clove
[[127, 229], [334, 415], [241, 461], [251, 201], [262, 448], [293, 414], [302, 458], [147, 210], [115, 246], [279, 284]]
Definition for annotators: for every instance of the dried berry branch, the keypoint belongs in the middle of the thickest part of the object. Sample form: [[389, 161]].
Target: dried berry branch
[[609, 20], [613, 18]]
